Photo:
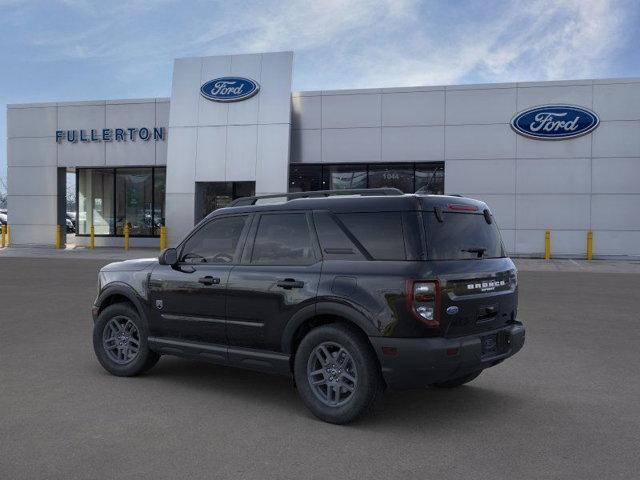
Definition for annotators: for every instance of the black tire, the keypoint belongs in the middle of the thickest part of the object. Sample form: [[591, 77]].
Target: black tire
[[456, 382], [139, 363], [361, 360]]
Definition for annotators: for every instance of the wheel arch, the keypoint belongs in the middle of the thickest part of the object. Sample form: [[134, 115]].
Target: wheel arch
[[120, 293], [324, 313]]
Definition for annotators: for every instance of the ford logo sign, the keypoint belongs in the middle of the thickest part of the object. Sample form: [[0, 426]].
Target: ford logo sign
[[555, 122], [452, 310], [229, 89]]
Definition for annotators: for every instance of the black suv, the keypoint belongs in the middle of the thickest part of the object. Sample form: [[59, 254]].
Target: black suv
[[346, 294]]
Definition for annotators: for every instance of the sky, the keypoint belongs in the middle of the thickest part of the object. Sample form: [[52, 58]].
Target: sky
[[87, 50]]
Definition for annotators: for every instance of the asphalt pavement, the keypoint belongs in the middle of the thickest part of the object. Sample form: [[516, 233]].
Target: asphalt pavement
[[566, 407]]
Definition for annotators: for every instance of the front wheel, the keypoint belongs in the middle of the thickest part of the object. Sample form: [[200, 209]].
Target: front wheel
[[337, 375], [120, 341]]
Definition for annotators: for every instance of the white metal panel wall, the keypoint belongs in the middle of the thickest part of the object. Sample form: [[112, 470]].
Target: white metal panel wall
[[33, 155], [218, 142], [568, 186]]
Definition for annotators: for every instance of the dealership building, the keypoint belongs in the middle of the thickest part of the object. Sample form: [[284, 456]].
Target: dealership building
[[559, 156]]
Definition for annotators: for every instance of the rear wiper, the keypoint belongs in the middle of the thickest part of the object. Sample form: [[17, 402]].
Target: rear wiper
[[479, 250]]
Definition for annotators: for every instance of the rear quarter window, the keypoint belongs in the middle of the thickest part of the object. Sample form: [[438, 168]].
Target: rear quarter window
[[462, 236], [380, 233]]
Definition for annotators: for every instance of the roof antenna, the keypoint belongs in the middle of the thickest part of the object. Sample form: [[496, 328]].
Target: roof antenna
[[487, 216]]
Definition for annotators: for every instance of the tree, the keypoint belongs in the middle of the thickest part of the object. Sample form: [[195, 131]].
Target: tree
[[3, 193]]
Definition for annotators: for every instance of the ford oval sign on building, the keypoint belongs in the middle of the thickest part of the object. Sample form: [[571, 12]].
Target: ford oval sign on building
[[229, 89], [555, 122]]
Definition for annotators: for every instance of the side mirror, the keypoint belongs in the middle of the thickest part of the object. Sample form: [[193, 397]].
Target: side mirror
[[168, 257]]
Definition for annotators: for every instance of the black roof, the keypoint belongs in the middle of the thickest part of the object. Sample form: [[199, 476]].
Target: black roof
[[346, 203]]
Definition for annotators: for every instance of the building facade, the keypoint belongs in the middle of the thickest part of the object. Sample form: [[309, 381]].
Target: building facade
[[559, 156]]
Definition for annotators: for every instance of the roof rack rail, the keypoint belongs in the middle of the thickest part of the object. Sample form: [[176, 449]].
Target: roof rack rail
[[244, 201]]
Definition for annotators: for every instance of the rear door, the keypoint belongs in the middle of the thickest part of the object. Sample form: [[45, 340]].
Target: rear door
[[278, 276]]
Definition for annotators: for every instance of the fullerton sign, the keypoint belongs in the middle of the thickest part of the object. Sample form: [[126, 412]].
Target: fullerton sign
[[110, 135], [555, 122]]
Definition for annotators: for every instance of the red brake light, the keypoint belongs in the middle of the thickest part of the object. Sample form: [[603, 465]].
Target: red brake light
[[423, 301], [461, 207]]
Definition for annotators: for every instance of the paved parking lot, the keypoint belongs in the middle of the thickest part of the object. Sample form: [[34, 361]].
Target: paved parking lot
[[566, 407]]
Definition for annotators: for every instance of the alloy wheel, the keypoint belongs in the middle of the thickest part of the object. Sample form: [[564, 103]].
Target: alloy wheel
[[121, 340], [332, 374]]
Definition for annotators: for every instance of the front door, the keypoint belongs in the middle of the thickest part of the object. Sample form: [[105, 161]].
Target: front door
[[278, 276], [188, 300]]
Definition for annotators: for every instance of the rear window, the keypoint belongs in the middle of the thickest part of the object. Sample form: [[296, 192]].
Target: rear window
[[462, 236]]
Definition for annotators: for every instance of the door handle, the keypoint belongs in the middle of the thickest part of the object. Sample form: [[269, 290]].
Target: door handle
[[209, 280], [289, 283]]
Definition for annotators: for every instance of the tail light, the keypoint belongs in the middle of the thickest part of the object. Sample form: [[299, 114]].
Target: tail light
[[462, 207], [423, 301]]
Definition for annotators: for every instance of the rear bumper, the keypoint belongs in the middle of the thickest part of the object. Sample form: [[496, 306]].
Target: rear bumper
[[419, 362]]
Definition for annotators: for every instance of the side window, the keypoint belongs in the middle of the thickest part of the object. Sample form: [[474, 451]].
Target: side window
[[283, 239], [334, 242], [381, 234], [215, 242]]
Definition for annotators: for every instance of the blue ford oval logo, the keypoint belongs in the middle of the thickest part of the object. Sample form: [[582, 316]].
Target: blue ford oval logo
[[229, 89], [555, 122], [452, 310]]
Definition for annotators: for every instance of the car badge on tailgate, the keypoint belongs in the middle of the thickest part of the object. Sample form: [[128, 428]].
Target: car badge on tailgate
[[486, 286]]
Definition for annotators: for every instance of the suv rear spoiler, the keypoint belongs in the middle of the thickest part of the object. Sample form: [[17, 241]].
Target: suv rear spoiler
[[244, 201]]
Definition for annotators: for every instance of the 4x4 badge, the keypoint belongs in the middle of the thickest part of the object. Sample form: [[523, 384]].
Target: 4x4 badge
[[159, 304]]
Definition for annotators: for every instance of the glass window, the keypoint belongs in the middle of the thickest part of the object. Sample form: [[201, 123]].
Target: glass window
[[159, 195], [462, 235], [215, 242], [134, 197], [392, 175], [95, 201], [430, 178], [305, 178], [341, 177], [283, 239], [379, 233], [109, 198], [408, 177], [334, 242]]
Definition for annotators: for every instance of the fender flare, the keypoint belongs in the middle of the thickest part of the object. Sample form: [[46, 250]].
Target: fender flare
[[345, 311], [122, 289]]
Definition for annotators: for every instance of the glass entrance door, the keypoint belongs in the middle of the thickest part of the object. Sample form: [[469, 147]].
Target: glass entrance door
[[213, 195]]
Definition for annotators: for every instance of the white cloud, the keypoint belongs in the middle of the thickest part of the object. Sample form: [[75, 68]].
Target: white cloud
[[362, 43]]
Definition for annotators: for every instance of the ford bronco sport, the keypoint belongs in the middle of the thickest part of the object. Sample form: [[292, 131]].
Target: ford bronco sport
[[348, 292]]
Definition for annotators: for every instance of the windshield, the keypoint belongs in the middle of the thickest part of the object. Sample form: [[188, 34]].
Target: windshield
[[462, 236]]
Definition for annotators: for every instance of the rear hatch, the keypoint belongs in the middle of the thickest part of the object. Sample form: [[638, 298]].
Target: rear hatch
[[478, 282]]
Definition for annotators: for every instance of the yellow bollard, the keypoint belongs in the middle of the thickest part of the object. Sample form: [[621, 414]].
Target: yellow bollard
[[163, 237], [126, 236], [8, 235], [58, 236], [547, 244], [589, 245], [92, 237], [3, 234]]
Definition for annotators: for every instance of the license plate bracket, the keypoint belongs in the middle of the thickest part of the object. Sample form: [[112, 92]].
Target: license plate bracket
[[496, 343], [489, 344]]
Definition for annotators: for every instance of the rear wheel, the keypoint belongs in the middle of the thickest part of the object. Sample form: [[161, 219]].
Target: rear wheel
[[120, 341], [456, 382], [336, 373]]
